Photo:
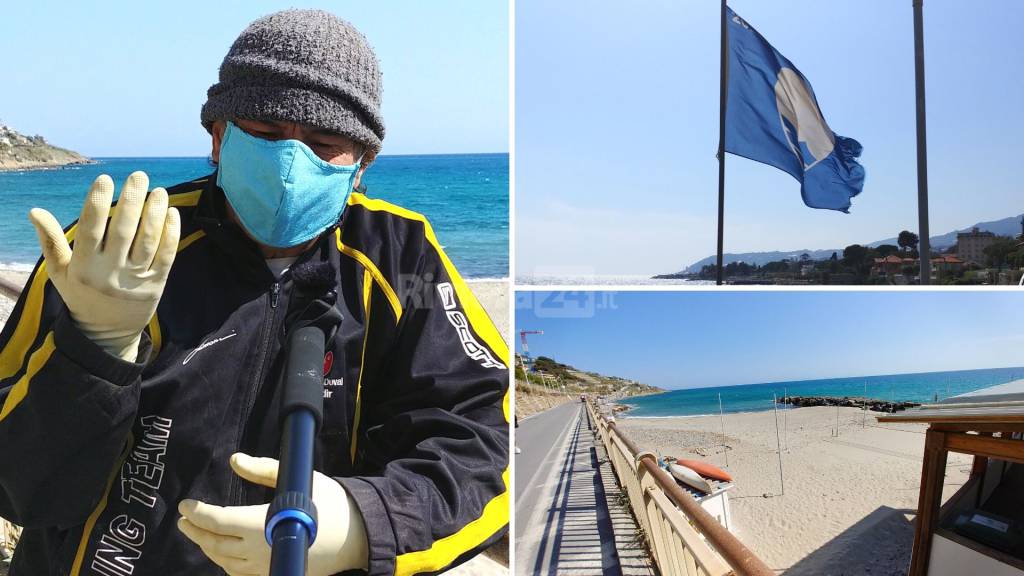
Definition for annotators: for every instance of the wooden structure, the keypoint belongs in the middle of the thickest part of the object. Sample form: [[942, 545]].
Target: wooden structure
[[989, 425]]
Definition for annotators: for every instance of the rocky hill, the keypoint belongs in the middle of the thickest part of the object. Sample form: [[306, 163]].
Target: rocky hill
[[19, 152], [562, 378]]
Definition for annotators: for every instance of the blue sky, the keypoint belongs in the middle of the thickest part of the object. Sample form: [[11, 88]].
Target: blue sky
[[128, 78], [617, 127], [701, 338]]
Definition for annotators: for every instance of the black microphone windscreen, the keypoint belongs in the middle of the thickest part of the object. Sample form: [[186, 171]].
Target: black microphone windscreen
[[314, 276]]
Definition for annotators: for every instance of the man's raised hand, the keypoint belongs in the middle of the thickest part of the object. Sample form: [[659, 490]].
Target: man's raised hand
[[113, 280]]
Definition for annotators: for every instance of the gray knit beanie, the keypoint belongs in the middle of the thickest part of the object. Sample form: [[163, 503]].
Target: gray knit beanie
[[305, 66]]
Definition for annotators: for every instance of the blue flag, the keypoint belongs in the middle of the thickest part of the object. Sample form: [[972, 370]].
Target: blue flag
[[774, 118]]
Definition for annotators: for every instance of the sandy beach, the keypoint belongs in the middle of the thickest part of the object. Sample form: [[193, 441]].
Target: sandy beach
[[850, 500], [493, 296], [16, 277]]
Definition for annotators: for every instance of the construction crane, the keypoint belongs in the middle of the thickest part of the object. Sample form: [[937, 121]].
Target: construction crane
[[526, 349]]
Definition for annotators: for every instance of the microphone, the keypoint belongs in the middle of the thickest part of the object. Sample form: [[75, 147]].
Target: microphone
[[291, 521], [314, 277]]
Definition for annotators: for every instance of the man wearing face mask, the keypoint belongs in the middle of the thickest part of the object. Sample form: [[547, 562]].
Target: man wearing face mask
[[141, 370]]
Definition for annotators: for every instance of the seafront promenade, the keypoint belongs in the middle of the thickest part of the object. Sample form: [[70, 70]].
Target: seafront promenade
[[571, 517]]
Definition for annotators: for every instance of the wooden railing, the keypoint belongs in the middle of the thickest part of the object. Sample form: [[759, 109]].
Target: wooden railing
[[9, 289], [683, 538]]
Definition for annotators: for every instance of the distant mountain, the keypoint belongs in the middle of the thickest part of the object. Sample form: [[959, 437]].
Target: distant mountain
[[1006, 227], [19, 152]]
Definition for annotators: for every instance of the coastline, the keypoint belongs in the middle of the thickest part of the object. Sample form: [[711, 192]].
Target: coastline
[[849, 502], [31, 166], [622, 407]]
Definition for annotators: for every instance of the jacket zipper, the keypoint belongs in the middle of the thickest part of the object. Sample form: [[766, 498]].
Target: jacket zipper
[[254, 388]]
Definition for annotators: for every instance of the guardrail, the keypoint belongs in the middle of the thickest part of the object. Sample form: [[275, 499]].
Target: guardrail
[[9, 289], [683, 538]]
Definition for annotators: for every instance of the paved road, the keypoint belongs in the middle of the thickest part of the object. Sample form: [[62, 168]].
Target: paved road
[[563, 525], [538, 437]]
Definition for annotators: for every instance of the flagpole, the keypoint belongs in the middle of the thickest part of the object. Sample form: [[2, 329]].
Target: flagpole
[[722, 96], [924, 252]]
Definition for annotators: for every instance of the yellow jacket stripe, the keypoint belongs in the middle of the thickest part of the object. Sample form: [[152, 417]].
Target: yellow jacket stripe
[[444, 551], [478, 319], [367, 291], [369, 266], [13, 355], [495, 513], [76, 567], [35, 364]]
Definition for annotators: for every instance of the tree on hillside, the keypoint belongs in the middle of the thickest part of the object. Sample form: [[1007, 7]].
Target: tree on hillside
[[997, 252], [738, 269], [907, 240], [854, 255], [776, 267], [886, 250], [1016, 258]]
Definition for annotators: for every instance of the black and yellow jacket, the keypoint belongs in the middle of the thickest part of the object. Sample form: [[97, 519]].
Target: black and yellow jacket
[[97, 451]]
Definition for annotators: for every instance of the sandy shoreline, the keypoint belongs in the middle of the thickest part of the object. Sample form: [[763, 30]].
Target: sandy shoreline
[[849, 501], [493, 296]]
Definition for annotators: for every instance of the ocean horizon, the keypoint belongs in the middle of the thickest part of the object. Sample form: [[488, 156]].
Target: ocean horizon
[[919, 387], [464, 196]]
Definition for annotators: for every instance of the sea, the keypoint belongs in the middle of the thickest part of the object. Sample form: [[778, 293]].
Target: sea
[[465, 197], [921, 387]]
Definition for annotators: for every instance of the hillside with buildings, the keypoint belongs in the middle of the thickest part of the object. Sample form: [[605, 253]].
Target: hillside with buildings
[[549, 383], [987, 253], [20, 152]]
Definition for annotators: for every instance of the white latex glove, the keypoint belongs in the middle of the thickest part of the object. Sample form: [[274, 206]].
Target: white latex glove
[[113, 280], [233, 537]]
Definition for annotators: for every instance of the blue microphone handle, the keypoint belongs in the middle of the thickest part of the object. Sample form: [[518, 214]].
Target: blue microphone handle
[[292, 518]]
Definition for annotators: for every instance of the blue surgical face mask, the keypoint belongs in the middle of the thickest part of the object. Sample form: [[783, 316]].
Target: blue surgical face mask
[[283, 193]]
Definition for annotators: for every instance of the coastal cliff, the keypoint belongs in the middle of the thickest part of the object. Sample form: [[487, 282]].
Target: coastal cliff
[[19, 152], [550, 383]]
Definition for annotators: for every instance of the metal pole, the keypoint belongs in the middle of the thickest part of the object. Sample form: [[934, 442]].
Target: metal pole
[[526, 371], [922, 149], [723, 91], [785, 418], [721, 416], [837, 420], [778, 444], [864, 407]]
